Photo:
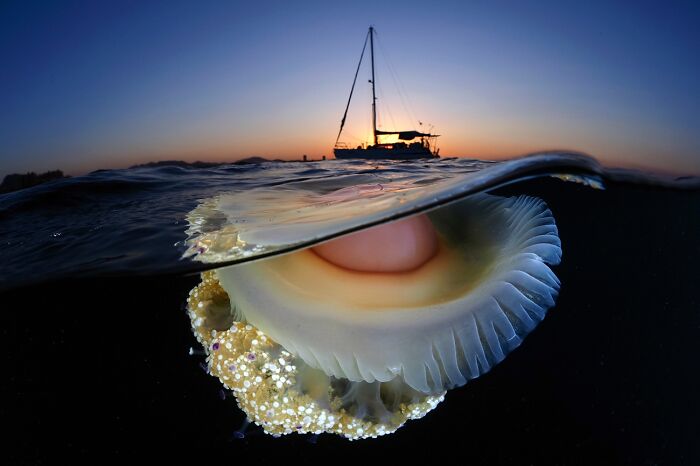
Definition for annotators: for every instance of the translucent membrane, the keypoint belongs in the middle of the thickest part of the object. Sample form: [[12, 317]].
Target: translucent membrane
[[438, 326]]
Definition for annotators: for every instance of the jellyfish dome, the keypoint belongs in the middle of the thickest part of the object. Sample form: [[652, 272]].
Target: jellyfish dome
[[353, 310]]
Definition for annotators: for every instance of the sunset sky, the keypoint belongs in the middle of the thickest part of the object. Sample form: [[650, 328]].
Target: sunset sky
[[87, 85]]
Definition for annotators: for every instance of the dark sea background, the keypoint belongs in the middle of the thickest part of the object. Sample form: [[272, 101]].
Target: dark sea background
[[95, 339]]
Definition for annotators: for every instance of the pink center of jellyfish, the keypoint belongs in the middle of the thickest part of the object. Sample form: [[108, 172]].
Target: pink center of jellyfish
[[399, 246]]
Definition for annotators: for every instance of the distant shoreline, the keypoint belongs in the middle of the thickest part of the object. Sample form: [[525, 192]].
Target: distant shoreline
[[18, 181], [200, 164]]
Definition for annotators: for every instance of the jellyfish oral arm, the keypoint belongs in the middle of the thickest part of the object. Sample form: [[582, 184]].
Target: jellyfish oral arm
[[399, 246]]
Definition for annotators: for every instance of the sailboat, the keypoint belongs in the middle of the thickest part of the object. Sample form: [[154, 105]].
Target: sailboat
[[412, 144]]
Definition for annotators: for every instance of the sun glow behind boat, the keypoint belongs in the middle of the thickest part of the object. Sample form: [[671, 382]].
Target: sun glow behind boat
[[408, 144]]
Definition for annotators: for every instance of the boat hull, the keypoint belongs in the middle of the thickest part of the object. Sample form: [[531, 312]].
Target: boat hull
[[384, 153]]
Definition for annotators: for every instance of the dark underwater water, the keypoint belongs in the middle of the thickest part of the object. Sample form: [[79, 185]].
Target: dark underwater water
[[95, 339]]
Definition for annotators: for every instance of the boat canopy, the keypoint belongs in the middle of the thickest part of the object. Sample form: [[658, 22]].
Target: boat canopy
[[406, 135]]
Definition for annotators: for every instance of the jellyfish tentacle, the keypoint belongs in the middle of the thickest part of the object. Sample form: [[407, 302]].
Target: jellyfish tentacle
[[283, 394]]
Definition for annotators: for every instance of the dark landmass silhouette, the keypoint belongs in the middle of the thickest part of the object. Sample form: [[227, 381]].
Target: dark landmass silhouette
[[17, 181], [251, 160], [176, 163], [199, 164]]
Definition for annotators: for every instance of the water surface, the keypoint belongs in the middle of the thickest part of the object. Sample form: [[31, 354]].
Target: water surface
[[96, 341]]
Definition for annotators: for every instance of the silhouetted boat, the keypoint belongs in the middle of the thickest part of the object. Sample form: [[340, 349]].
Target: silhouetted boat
[[402, 150]]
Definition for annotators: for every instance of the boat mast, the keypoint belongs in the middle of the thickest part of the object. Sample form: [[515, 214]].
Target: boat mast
[[374, 97]]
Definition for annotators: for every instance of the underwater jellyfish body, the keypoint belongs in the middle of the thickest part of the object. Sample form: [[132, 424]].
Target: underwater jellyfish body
[[358, 334]]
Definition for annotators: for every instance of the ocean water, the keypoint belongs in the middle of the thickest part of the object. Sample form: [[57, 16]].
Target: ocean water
[[96, 339]]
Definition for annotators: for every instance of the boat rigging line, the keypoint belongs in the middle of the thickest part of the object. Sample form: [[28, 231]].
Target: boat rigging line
[[342, 122]]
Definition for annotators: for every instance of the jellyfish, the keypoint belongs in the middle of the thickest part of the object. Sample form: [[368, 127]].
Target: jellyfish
[[358, 334]]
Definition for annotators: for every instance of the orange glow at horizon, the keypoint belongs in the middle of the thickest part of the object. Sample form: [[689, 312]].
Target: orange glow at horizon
[[483, 146], [486, 137], [485, 149]]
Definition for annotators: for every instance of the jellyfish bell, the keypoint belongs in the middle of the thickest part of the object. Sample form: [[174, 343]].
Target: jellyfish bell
[[361, 332], [437, 325]]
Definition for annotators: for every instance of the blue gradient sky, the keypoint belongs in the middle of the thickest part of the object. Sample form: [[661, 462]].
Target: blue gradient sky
[[86, 86]]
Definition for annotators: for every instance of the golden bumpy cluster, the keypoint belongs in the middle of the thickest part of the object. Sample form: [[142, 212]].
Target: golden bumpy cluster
[[263, 375]]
